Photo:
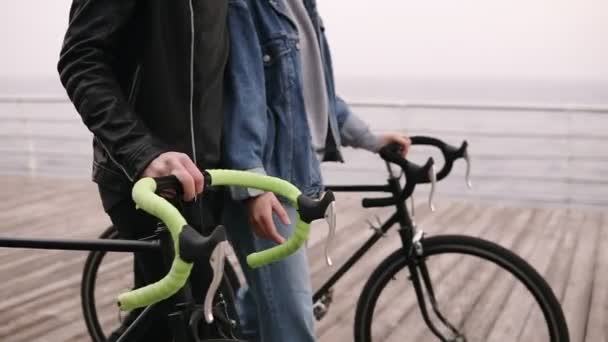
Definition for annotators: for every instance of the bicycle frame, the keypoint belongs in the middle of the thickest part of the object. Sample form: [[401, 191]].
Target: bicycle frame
[[95, 245], [407, 231], [401, 217]]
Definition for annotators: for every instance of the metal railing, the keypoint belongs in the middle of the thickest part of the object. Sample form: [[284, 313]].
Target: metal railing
[[405, 105], [34, 154], [481, 106]]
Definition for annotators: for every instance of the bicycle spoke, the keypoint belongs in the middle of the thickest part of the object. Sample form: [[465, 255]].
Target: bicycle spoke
[[441, 269]]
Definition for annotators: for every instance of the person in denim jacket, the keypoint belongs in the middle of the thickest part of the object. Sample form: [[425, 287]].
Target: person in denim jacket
[[282, 118]]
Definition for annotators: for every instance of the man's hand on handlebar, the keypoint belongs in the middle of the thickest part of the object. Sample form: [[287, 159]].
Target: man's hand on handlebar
[[398, 138], [181, 166]]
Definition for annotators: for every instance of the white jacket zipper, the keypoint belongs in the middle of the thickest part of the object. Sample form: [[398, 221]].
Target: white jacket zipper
[[192, 82], [134, 84]]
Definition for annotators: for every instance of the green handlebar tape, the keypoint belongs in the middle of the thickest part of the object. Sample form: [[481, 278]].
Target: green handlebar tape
[[278, 186], [256, 181], [147, 200], [282, 251]]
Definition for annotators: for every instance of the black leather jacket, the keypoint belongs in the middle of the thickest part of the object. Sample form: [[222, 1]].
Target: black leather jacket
[[147, 78]]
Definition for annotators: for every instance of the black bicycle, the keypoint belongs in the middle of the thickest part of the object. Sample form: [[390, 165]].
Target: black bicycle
[[181, 247], [464, 288]]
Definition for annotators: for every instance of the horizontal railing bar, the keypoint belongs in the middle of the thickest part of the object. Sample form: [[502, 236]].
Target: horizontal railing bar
[[600, 109], [603, 109]]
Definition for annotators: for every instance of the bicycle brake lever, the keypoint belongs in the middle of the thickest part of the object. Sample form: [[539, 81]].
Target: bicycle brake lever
[[330, 217], [433, 178], [216, 260], [467, 158]]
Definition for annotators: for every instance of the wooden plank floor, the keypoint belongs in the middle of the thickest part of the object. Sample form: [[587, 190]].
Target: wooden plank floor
[[39, 290]]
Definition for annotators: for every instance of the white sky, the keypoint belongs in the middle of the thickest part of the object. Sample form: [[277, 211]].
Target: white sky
[[487, 39]]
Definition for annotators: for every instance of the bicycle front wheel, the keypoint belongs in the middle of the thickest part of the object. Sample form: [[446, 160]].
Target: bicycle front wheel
[[483, 290]]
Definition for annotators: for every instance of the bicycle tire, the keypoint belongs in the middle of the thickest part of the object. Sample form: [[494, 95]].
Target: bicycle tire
[[461, 246], [88, 284]]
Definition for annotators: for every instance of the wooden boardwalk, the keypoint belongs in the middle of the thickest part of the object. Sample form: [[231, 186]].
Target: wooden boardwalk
[[39, 290]]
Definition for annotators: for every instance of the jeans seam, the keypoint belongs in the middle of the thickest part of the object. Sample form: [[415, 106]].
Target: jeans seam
[[270, 298]]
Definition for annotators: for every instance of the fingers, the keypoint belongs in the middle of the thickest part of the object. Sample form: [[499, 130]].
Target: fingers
[[261, 219], [280, 211], [195, 173], [187, 183], [182, 167], [400, 139], [270, 229], [264, 227], [405, 142]]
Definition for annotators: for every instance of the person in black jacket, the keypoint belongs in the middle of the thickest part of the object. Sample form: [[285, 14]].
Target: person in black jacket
[[147, 79]]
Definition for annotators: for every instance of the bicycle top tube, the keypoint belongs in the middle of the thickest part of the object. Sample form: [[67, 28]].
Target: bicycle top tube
[[146, 199]]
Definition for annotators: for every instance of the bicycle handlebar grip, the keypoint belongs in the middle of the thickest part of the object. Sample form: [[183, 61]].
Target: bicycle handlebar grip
[[392, 153], [156, 292], [282, 251], [450, 153], [169, 183], [311, 210], [285, 189], [256, 181], [422, 140], [145, 199]]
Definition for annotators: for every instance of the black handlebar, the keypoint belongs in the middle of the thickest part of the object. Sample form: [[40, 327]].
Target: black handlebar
[[414, 173], [311, 210], [450, 153], [169, 183]]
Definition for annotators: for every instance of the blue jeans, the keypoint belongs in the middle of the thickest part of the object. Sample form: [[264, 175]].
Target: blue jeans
[[277, 305]]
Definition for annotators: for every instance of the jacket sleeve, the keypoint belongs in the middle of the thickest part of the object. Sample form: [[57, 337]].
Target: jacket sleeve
[[354, 132], [89, 51], [245, 119]]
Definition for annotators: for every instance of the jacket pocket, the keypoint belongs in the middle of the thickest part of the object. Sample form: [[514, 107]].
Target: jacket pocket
[[279, 67]]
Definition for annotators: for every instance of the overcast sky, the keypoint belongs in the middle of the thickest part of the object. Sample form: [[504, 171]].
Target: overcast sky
[[487, 39]]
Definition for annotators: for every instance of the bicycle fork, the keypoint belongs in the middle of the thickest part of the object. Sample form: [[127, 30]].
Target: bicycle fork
[[419, 276]]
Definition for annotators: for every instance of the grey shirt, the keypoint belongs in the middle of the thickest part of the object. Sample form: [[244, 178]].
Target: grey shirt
[[313, 75], [354, 132]]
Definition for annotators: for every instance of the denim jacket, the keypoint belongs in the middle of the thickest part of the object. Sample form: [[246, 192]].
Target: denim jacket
[[265, 124]]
